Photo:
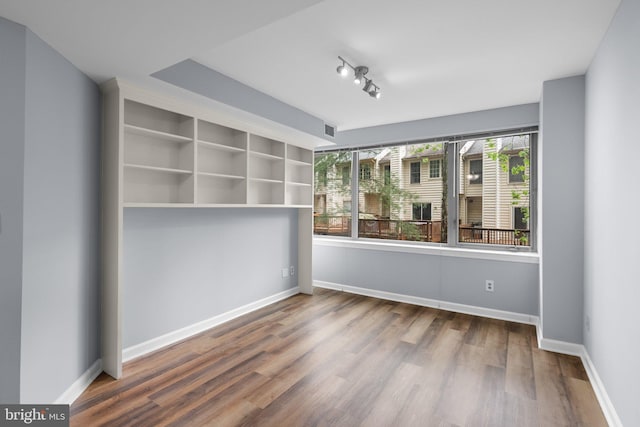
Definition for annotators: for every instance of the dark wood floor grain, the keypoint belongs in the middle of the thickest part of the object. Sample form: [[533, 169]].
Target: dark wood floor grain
[[336, 359]]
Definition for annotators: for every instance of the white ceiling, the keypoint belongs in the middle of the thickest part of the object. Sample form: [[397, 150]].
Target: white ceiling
[[430, 58]]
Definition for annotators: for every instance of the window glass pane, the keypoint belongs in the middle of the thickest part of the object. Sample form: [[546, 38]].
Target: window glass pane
[[494, 191], [434, 168], [396, 202], [415, 173], [332, 194]]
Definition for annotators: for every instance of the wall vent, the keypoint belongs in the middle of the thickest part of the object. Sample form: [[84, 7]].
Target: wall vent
[[329, 130]]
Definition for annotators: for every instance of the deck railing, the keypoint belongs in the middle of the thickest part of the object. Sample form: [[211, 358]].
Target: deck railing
[[423, 231], [494, 236]]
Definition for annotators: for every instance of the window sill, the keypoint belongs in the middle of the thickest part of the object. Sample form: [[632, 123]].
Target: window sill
[[432, 249]]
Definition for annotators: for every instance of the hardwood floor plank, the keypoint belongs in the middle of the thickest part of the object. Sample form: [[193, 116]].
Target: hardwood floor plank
[[337, 359]]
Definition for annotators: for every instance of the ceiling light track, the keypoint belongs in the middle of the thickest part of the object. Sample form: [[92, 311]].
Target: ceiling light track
[[359, 76]]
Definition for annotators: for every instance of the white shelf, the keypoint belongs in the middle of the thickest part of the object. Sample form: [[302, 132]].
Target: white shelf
[[216, 146], [275, 181], [220, 175], [298, 184], [157, 169], [266, 156], [298, 162], [160, 136]]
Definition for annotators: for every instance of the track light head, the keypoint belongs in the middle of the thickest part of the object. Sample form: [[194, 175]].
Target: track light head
[[342, 70], [368, 86], [359, 73]]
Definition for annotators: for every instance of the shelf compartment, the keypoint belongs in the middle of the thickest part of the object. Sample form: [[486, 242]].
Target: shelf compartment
[[216, 161], [219, 189], [156, 119], [160, 136], [261, 145], [266, 168], [221, 136], [299, 155], [262, 192], [299, 194], [149, 149], [143, 184], [299, 172]]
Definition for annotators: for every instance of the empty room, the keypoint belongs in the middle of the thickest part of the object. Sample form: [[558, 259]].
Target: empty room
[[319, 212]]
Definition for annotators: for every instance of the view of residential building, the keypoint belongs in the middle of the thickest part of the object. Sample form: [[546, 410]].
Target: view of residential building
[[402, 187]]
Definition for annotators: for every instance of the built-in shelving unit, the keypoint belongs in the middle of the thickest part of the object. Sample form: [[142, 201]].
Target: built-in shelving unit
[[164, 153]]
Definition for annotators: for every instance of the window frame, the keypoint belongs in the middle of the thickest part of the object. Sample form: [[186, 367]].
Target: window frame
[[478, 180], [422, 206], [439, 170], [414, 176], [453, 183], [519, 178]]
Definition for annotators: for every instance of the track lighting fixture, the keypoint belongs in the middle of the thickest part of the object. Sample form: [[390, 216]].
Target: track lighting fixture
[[342, 69], [359, 76]]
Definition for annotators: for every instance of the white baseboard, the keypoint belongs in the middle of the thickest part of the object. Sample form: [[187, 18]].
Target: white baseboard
[[560, 346], [80, 385], [601, 393], [426, 302], [543, 343], [180, 334]]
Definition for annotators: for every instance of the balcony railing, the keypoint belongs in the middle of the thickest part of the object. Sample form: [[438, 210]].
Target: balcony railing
[[332, 225], [494, 236], [422, 231]]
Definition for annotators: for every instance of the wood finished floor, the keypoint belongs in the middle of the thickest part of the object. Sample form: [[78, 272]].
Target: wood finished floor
[[336, 359]]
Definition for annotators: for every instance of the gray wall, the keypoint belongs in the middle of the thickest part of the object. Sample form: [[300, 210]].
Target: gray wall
[[561, 187], [183, 266], [450, 279], [49, 219], [60, 288], [444, 278], [612, 254], [457, 124], [197, 78], [12, 102]]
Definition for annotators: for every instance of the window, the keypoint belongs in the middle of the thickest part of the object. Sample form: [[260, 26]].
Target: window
[[495, 213], [365, 171], [475, 171], [520, 218], [393, 203], [422, 211], [331, 214], [516, 169], [434, 168], [346, 175], [414, 177], [322, 177]]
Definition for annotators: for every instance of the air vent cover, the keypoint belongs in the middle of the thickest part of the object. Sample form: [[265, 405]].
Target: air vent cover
[[329, 130]]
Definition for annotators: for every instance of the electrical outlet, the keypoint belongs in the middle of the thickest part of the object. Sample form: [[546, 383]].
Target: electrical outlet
[[489, 285], [587, 323], [285, 272], [292, 270]]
